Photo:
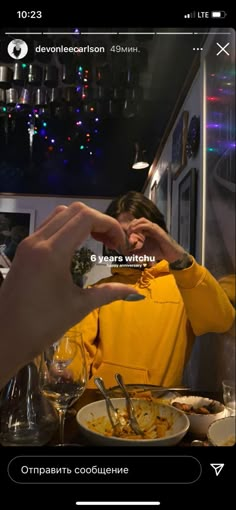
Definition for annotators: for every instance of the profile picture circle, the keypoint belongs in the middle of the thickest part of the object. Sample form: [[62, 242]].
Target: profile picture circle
[[17, 49]]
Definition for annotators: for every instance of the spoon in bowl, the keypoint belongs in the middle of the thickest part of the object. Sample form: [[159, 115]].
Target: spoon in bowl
[[130, 408], [115, 420]]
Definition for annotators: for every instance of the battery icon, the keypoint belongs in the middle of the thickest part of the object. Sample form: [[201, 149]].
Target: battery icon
[[218, 14]]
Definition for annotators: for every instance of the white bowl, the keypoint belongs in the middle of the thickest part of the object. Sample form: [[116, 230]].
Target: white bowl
[[222, 432], [177, 419], [199, 423]]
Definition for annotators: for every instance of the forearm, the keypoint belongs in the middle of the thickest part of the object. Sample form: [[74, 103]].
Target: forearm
[[181, 263], [207, 306]]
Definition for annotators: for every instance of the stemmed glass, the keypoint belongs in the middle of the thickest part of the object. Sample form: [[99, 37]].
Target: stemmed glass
[[229, 391], [63, 374]]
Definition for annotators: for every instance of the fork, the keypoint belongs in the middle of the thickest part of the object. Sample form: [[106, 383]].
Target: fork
[[130, 408], [116, 421]]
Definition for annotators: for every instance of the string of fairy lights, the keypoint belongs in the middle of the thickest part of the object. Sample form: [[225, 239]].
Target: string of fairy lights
[[82, 119], [84, 127]]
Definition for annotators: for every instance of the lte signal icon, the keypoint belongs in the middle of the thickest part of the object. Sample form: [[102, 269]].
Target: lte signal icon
[[190, 15]]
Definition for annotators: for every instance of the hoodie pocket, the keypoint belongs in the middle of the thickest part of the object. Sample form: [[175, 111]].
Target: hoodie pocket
[[131, 374]]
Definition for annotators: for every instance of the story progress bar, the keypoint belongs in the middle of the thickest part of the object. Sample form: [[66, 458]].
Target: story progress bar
[[118, 503]]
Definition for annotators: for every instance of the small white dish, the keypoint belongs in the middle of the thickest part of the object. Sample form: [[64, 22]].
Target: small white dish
[[199, 423], [222, 432]]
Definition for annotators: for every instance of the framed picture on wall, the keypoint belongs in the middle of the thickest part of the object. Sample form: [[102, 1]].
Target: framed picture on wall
[[179, 139], [153, 192], [187, 211], [163, 196], [15, 225]]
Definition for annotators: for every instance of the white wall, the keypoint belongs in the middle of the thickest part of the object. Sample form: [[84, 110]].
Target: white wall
[[43, 206], [98, 272]]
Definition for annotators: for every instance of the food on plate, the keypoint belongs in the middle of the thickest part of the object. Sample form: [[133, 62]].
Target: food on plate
[[149, 392], [162, 425], [187, 408], [152, 425], [231, 441], [141, 394], [147, 395]]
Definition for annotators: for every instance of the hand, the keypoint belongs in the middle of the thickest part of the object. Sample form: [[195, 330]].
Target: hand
[[38, 299], [150, 239]]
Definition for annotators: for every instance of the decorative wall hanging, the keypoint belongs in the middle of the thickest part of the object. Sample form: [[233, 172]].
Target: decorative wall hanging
[[15, 225], [163, 196], [179, 158], [187, 210], [193, 137]]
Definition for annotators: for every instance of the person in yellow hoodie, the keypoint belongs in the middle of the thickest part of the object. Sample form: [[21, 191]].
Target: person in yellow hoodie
[[150, 341]]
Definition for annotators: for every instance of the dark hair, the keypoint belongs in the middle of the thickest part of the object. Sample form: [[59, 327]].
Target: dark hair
[[139, 206]]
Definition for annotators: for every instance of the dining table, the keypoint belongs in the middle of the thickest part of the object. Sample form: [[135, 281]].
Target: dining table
[[74, 436]]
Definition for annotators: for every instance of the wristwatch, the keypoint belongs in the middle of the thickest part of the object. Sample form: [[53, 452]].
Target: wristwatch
[[182, 263]]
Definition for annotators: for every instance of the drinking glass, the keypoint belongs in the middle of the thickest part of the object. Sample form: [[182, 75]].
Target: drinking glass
[[229, 395], [63, 374], [27, 418]]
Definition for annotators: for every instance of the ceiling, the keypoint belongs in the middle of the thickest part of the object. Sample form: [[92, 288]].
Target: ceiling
[[133, 95]]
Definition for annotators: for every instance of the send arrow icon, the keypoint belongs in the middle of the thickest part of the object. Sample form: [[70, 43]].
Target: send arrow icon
[[217, 467]]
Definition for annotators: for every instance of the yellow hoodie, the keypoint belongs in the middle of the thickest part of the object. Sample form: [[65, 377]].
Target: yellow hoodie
[[150, 341]]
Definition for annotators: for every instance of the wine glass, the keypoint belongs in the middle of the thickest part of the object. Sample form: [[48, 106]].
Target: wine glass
[[63, 374], [229, 388]]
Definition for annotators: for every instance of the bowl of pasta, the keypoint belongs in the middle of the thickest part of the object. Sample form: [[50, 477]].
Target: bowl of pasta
[[162, 425]]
